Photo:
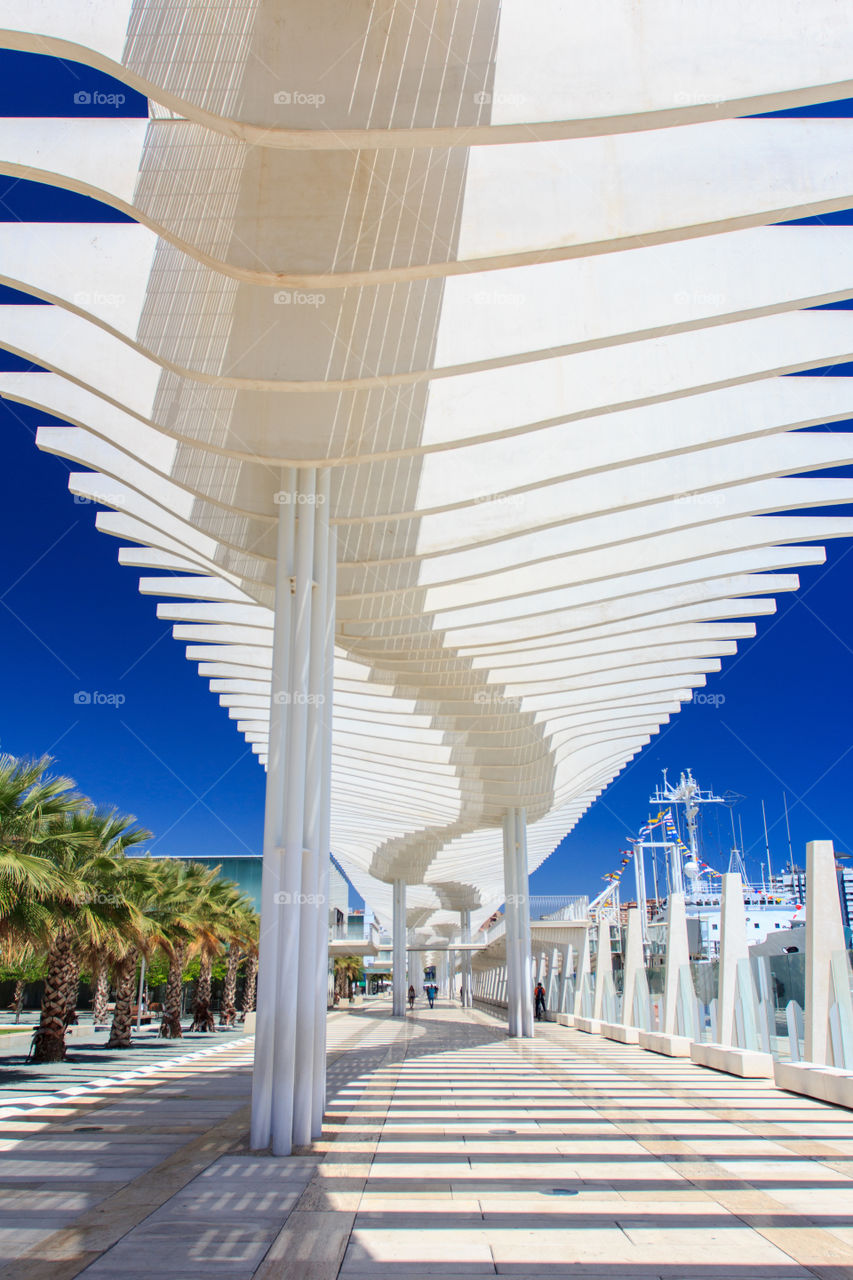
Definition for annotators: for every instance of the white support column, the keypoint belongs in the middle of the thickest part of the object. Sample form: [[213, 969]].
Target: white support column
[[399, 973], [603, 967], [524, 923], [634, 962], [733, 947], [551, 991], [824, 939], [565, 974], [273, 852], [313, 857], [677, 956], [290, 942], [465, 917], [319, 1104], [288, 1094], [583, 973], [511, 892]]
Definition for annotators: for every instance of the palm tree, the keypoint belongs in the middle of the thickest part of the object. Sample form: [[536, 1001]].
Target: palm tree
[[31, 803], [140, 885], [223, 905], [21, 963], [93, 916], [182, 908], [348, 969], [243, 932], [250, 982], [33, 807]]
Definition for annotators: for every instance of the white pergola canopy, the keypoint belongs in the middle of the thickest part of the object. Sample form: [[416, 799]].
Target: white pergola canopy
[[513, 283]]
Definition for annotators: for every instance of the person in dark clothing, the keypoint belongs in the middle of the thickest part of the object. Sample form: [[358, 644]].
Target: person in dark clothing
[[539, 1001], [411, 997]]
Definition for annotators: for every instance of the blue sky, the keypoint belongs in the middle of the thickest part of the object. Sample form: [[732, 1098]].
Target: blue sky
[[72, 620]]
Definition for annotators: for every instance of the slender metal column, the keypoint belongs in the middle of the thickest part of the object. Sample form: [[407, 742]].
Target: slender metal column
[[565, 974], [290, 945], [551, 995], [467, 995], [513, 976], [268, 971], [307, 1011], [524, 923], [398, 975], [319, 1105]]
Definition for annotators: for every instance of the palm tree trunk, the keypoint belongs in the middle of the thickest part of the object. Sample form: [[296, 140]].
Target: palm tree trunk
[[125, 973], [49, 1042], [170, 1027], [229, 1011], [250, 985], [202, 1017], [72, 991], [101, 977], [202, 989], [18, 998]]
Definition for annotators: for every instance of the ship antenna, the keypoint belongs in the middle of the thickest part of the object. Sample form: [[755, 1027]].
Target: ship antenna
[[788, 826], [767, 847]]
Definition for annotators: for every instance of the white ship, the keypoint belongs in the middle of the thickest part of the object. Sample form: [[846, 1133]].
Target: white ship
[[777, 904]]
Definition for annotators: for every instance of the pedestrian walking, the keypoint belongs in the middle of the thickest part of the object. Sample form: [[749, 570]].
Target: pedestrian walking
[[539, 1001], [411, 997]]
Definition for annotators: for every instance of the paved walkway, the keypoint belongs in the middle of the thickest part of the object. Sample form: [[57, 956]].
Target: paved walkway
[[449, 1151]]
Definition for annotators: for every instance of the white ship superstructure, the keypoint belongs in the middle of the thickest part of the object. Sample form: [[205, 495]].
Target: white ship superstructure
[[776, 904]]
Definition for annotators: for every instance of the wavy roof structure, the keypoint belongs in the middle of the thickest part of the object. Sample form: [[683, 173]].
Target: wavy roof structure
[[508, 271]]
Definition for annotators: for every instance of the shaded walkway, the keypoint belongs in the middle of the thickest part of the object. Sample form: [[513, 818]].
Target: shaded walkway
[[449, 1151]]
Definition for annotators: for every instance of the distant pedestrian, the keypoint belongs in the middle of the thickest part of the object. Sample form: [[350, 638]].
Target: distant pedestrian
[[539, 1001], [411, 997], [431, 996]]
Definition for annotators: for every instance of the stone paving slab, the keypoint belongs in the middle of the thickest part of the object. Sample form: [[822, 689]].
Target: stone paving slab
[[448, 1151]]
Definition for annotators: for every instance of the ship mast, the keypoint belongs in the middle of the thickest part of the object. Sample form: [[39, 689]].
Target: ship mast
[[687, 792]]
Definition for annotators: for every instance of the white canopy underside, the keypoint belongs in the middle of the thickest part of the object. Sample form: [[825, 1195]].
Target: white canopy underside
[[514, 281]]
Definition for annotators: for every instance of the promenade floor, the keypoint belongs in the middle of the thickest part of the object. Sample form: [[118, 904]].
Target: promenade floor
[[449, 1151]]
